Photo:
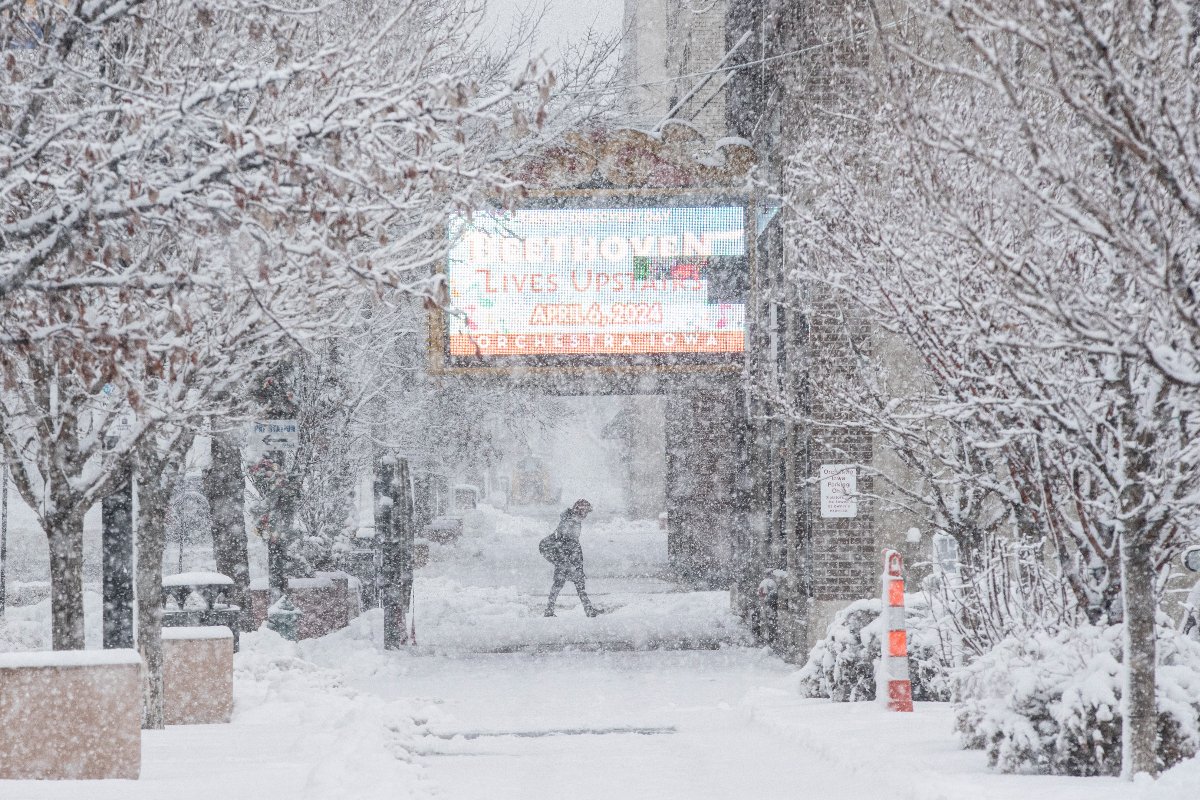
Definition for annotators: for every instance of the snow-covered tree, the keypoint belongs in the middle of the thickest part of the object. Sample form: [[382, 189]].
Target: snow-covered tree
[[188, 186], [1016, 213], [160, 464], [326, 461], [325, 124]]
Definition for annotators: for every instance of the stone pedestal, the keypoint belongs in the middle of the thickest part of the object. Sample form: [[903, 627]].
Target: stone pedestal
[[197, 675], [70, 715]]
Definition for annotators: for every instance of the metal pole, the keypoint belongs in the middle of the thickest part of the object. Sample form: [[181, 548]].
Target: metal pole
[[280, 517], [4, 539]]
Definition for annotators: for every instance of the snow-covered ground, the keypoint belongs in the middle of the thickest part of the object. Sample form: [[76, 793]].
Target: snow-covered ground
[[498, 702], [487, 592]]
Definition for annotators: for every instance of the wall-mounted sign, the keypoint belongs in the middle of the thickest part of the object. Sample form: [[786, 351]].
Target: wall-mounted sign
[[556, 284], [839, 490], [275, 434]]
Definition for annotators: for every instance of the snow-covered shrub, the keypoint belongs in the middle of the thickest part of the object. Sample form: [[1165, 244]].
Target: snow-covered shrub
[[1051, 702], [842, 665]]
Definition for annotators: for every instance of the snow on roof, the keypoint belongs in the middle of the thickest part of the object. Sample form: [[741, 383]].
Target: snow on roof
[[310, 583], [197, 579], [324, 580], [335, 574], [68, 658], [682, 123], [727, 141], [197, 632]]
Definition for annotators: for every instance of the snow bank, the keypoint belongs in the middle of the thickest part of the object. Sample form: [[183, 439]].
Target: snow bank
[[454, 618], [28, 627], [1051, 702], [346, 744]]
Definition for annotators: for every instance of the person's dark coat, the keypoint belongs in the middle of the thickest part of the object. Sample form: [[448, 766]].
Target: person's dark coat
[[563, 549]]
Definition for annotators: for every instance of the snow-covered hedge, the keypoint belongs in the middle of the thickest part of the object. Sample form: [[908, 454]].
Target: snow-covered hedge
[[842, 665], [1051, 702]]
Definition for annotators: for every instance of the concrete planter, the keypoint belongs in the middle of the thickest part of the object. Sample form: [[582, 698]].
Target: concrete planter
[[327, 603], [197, 675], [443, 530], [70, 715]]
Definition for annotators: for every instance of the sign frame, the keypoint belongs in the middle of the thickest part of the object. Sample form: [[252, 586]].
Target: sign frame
[[441, 362]]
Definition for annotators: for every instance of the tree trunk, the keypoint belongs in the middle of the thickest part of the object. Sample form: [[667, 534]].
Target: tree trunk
[[1140, 733], [65, 536], [153, 500], [225, 486]]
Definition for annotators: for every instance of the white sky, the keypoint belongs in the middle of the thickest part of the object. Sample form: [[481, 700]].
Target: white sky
[[564, 20]]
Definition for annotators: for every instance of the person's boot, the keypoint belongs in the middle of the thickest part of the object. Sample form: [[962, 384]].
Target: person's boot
[[588, 608], [549, 611]]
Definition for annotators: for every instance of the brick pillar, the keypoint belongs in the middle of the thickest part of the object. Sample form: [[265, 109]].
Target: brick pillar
[[830, 560], [703, 495]]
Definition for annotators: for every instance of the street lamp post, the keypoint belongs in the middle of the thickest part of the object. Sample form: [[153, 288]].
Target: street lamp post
[[277, 538], [3, 539]]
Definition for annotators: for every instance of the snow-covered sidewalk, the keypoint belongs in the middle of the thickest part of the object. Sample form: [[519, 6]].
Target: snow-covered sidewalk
[[916, 756], [487, 592], [340, 717], [297, 734], [499, 703]]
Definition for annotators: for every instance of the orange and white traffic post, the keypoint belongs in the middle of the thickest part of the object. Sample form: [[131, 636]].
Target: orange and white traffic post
[[893, 684]]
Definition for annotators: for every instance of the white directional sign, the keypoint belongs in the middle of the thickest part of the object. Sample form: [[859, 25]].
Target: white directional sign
[[124, 422], [275, 434], [839, 490], [112, 412]]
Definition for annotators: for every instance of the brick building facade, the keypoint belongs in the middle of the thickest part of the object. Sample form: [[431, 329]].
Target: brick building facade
[[799, 66], [809, 56], [670, 50]]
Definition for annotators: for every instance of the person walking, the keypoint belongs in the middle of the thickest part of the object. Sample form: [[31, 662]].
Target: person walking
[[563, 550]]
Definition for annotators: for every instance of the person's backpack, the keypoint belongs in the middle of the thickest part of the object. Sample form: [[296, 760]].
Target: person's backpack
[[551, 548]]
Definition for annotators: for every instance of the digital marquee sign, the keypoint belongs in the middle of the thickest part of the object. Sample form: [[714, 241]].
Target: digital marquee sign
[[552, 285]]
